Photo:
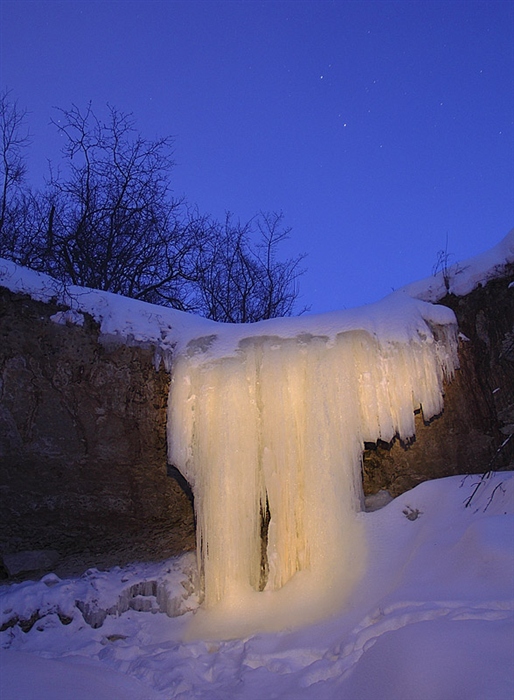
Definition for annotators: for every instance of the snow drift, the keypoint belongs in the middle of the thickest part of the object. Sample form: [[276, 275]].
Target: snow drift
[[431, 619]]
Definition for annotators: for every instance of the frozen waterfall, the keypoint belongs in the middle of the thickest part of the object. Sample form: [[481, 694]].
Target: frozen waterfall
[[268, 422]]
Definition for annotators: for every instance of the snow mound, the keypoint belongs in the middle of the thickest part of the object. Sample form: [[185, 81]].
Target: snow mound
[[432, 619]]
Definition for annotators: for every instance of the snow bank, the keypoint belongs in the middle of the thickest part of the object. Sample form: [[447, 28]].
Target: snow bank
[[170, 330], [462, 278], [29, 677], [130, 320], [432, 619], [121, 318]]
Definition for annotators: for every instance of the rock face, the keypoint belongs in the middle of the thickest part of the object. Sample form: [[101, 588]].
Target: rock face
[[83, 472], [478, 414], [82, 444]]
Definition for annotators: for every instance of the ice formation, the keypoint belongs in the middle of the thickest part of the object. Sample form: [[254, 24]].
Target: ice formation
[[271, 434]]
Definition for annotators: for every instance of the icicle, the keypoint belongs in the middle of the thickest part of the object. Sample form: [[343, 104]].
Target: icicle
[[278, 428]]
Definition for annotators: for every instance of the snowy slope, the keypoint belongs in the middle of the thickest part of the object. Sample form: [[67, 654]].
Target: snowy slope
[[432, 619]]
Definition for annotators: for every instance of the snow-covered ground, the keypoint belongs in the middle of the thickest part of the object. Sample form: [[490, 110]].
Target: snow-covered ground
[[432, 619]]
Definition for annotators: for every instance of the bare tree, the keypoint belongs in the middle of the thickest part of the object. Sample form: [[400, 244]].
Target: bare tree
[[14, 141], [115, 224], [241, 279], [108, 220]]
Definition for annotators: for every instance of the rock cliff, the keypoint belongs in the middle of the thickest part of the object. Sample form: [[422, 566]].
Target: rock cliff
[[478, 415], [83, 474], [82, 444]]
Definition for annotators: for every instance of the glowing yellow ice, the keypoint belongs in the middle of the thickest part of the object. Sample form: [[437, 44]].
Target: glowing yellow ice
[[277, 428]]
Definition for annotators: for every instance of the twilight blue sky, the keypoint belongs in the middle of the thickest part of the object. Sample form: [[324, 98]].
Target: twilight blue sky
[[379, 128]]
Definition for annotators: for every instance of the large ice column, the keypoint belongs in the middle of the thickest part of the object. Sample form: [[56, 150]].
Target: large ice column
[[276, 430]]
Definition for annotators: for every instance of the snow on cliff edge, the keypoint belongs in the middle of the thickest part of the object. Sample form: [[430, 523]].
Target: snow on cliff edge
[[462, 278], [398, 316]]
